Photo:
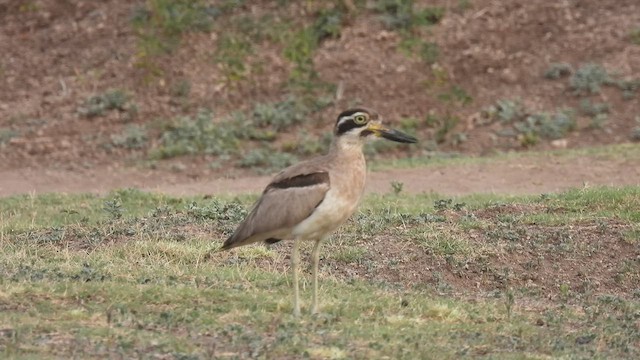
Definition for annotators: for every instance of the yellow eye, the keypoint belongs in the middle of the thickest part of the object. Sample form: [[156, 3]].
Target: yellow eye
[[360, 119]]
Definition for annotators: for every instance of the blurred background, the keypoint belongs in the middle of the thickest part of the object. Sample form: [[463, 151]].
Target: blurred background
[[213, 88]]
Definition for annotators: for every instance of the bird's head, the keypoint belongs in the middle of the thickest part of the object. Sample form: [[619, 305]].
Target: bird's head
[[356, 125]]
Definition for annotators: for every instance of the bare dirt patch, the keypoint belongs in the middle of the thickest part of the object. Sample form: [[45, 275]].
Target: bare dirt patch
[[526, 175]]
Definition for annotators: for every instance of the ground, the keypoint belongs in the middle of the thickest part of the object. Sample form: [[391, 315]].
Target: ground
[[510, 228]]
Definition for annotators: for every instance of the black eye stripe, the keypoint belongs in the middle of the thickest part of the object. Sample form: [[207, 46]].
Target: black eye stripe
[[346, 120], [347, 125]]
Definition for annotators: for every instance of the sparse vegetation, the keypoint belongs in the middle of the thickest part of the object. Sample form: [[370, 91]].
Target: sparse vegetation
[[548, 125], [558, 70], [203, 134], [635, 133], [402, 14], [267, 160], [231, 55], [161, 23], [98, 105], [198, 135], [634, 35], [135, 264], [588, 79], [7, 134], [528, 128], [133, 137]]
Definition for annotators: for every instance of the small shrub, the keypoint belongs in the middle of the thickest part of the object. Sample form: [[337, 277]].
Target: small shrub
[[588, 79], [634, 36], [328, 24], [548, 125], [113, 208], [199, 135], [509, 110], [97, 105], [593, 109], [401, 14], [429, 52], [133, 137], [231, 55], [181, 89], [160, 24], [397, 187], [558, 70], [6, 135], [300, 46], [448, 123], [628, 88], [279, 115], [635, 133], [456, 94], [598, 121], [308, 145], [267, 159], [283, 114]]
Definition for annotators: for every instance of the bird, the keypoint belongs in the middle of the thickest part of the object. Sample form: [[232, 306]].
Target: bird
[[309, 200]]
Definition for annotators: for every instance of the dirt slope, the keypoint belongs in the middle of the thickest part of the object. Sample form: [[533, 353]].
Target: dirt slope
[[58, 54]]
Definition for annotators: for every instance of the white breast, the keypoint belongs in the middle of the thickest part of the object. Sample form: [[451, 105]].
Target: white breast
[[340, 202]]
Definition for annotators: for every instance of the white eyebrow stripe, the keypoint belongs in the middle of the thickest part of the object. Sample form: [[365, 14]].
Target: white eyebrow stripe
[[350, 117]]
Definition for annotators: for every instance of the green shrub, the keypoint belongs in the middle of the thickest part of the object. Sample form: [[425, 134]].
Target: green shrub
[[231, 54], [97, 105], [199, 135], [402, 15], [267, 159], [558, 70], [133, 137], [548, 125], [159, 24], [509, 110], [588, 79], [592, 109], [6, 135], [634, 35]]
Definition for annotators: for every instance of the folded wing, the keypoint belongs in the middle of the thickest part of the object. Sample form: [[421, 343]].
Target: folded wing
[[289, 199]]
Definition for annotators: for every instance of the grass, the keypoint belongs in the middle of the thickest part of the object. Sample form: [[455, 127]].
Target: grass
[[133, 274], [634, 36], [617, 151]]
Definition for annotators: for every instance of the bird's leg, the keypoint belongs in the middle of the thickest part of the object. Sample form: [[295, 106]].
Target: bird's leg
[[315, 259], [295, 261]]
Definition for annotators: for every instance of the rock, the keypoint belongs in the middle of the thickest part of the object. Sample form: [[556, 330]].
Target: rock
[[560, 143]]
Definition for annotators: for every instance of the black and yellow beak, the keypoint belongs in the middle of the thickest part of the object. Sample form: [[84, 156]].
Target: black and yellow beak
[[391, 134]]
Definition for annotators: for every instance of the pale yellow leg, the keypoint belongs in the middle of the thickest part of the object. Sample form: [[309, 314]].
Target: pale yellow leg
[[295, 262], [315, 258]]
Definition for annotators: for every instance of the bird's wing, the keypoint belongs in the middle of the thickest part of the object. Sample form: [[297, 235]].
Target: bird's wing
[[290, 198]]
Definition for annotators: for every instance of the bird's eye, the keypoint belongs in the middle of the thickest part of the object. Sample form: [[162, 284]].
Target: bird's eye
[[360, 119]]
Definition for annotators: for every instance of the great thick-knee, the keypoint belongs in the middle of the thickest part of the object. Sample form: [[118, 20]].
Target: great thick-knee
[[310, 200]]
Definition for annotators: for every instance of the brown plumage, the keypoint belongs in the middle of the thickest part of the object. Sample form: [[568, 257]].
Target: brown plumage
[[310, 200]]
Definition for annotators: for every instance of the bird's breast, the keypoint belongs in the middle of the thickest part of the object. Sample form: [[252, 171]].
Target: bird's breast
[[340, 202]]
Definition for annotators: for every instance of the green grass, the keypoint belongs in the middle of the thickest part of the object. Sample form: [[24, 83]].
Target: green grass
[[612, 152], [133, 274]]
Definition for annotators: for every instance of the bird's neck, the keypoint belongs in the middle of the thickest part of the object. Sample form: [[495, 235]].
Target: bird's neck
[[347, 145]]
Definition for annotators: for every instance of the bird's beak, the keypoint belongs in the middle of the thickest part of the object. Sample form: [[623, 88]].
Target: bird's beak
[[391, 134]]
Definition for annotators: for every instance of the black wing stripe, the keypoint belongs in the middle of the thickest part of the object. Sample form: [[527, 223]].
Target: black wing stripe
[[300, 181]]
